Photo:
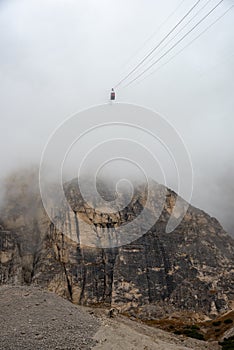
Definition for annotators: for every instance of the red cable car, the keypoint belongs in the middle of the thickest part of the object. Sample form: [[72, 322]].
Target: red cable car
[[112, 95]]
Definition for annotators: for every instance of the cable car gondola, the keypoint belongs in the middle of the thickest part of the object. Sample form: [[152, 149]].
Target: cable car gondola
[[112, 95]]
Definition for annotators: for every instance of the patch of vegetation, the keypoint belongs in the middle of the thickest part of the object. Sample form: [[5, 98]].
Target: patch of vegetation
[[216, 323], [217, 330], [192, 333], [194, 326], [189, 332], [227, 344], [228, 321]]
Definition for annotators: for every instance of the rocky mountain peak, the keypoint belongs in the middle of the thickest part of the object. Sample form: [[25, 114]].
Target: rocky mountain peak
[[155, 274]]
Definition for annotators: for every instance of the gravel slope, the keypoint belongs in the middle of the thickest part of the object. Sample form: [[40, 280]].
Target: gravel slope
[[33, 319]]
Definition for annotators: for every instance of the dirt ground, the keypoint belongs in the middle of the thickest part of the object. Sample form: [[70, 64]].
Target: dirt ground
[[33, 319]]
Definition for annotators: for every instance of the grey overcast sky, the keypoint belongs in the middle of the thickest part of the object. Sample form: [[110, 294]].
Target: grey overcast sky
[[60, 56]]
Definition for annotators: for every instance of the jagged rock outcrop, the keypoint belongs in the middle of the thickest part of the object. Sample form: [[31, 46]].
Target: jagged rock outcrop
[[190, 268]]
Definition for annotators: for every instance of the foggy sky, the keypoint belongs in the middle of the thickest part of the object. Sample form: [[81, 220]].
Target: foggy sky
[[60, 56]]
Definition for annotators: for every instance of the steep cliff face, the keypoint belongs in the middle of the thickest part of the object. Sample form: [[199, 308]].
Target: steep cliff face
[[190, 269]]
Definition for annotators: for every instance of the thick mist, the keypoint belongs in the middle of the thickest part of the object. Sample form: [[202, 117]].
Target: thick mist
[[59, 57]]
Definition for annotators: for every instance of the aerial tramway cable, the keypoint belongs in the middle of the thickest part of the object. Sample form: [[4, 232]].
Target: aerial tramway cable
[[157, 31], [190, 43], [158, 45], [181, 29], [173, 46]]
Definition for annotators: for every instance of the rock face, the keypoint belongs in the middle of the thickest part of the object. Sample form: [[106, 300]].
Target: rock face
[[189, 269]]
